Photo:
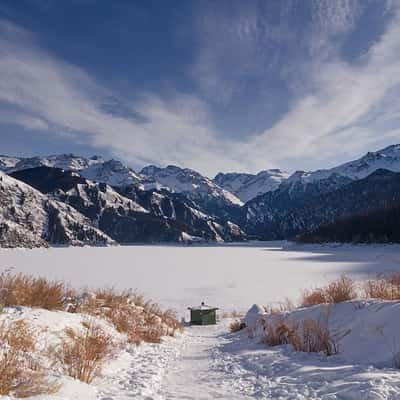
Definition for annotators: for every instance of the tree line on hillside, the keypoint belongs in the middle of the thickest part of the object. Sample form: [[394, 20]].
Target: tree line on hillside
[[374, 226]]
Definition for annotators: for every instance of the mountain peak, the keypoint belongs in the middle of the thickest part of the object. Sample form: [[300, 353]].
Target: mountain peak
[[247, 186], [190, 182]]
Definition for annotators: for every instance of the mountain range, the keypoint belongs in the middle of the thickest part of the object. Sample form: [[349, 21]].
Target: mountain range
[[73, 200]]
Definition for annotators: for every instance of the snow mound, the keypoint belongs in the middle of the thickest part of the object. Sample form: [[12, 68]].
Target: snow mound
[[366, 330], [255, 313]]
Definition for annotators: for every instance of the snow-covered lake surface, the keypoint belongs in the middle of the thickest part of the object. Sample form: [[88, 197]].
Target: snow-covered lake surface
[[232, 277], [209, 362]]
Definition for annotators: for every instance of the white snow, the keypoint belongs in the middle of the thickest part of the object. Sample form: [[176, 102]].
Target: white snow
[[248, 186], [387, 158], [64, 161], [190, 182], [209, 362], [229, 276], [112, 172], [25, 210]]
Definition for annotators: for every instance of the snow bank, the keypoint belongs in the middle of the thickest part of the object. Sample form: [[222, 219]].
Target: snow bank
[[134, 371], [367, 331]]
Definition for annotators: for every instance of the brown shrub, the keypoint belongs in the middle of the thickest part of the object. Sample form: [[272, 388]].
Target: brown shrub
[[385, 287], [343, 289], [237, 326], [20, 374], [308, 335], [29, 291], [278, 333], [314, 337], [313, 297], [127, 311], [83, 353]]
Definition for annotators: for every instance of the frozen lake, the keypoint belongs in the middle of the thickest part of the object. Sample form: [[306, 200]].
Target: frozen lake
[[232, 277]]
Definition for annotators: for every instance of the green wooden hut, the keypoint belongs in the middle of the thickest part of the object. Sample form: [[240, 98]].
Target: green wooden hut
[[203, 315]]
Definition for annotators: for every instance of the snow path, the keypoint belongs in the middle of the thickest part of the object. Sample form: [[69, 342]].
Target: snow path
[[194, 375], [208, 363]]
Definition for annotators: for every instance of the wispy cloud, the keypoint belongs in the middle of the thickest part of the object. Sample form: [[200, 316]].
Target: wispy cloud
[[340, 110], [337, 109], [345, 112], [47, 91]]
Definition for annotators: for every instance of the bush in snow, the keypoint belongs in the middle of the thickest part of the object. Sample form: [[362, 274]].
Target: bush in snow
[[237, 326], [308, 335], [24, 290], [141, 320], [343, 289], [277, 333], [385, 287], [21, 375], [313, 336], [82, 353], [130, 314]]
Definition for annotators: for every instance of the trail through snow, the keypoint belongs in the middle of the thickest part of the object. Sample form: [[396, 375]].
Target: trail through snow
[[208, 363], [194, 375]]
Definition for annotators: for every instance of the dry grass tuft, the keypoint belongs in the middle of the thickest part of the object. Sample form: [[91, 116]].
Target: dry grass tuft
[[24, 290], [237, 326], [21, 375], [308, 336], [314, 337], [83, 353], [127, 311], [278, 333], [343, 289], [385, 287]]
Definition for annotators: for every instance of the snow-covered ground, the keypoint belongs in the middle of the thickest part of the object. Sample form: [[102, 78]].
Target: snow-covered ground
[[232, 277], [211, 363]]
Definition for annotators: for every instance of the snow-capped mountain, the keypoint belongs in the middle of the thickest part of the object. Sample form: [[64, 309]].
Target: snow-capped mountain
[[185, 180], [112, 172], [29, 218], [175, 204], [176, 207], [129, 214], [207, 195], [387, 158], [10, 164], [248, 186], [278, 216]]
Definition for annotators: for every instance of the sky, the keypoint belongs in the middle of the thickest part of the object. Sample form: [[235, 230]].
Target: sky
[[210, 85]]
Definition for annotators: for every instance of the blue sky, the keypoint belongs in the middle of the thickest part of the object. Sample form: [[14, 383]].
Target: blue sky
[[212, 85]]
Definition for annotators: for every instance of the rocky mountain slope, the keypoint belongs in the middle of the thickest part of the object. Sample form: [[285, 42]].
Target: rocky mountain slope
[[112, 172], [179, 204], [205, 194], [129, 214], [380, 225], [302, 188], [381, 189], [387, 158], [30, 219], [10, 164], [248, 186]]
